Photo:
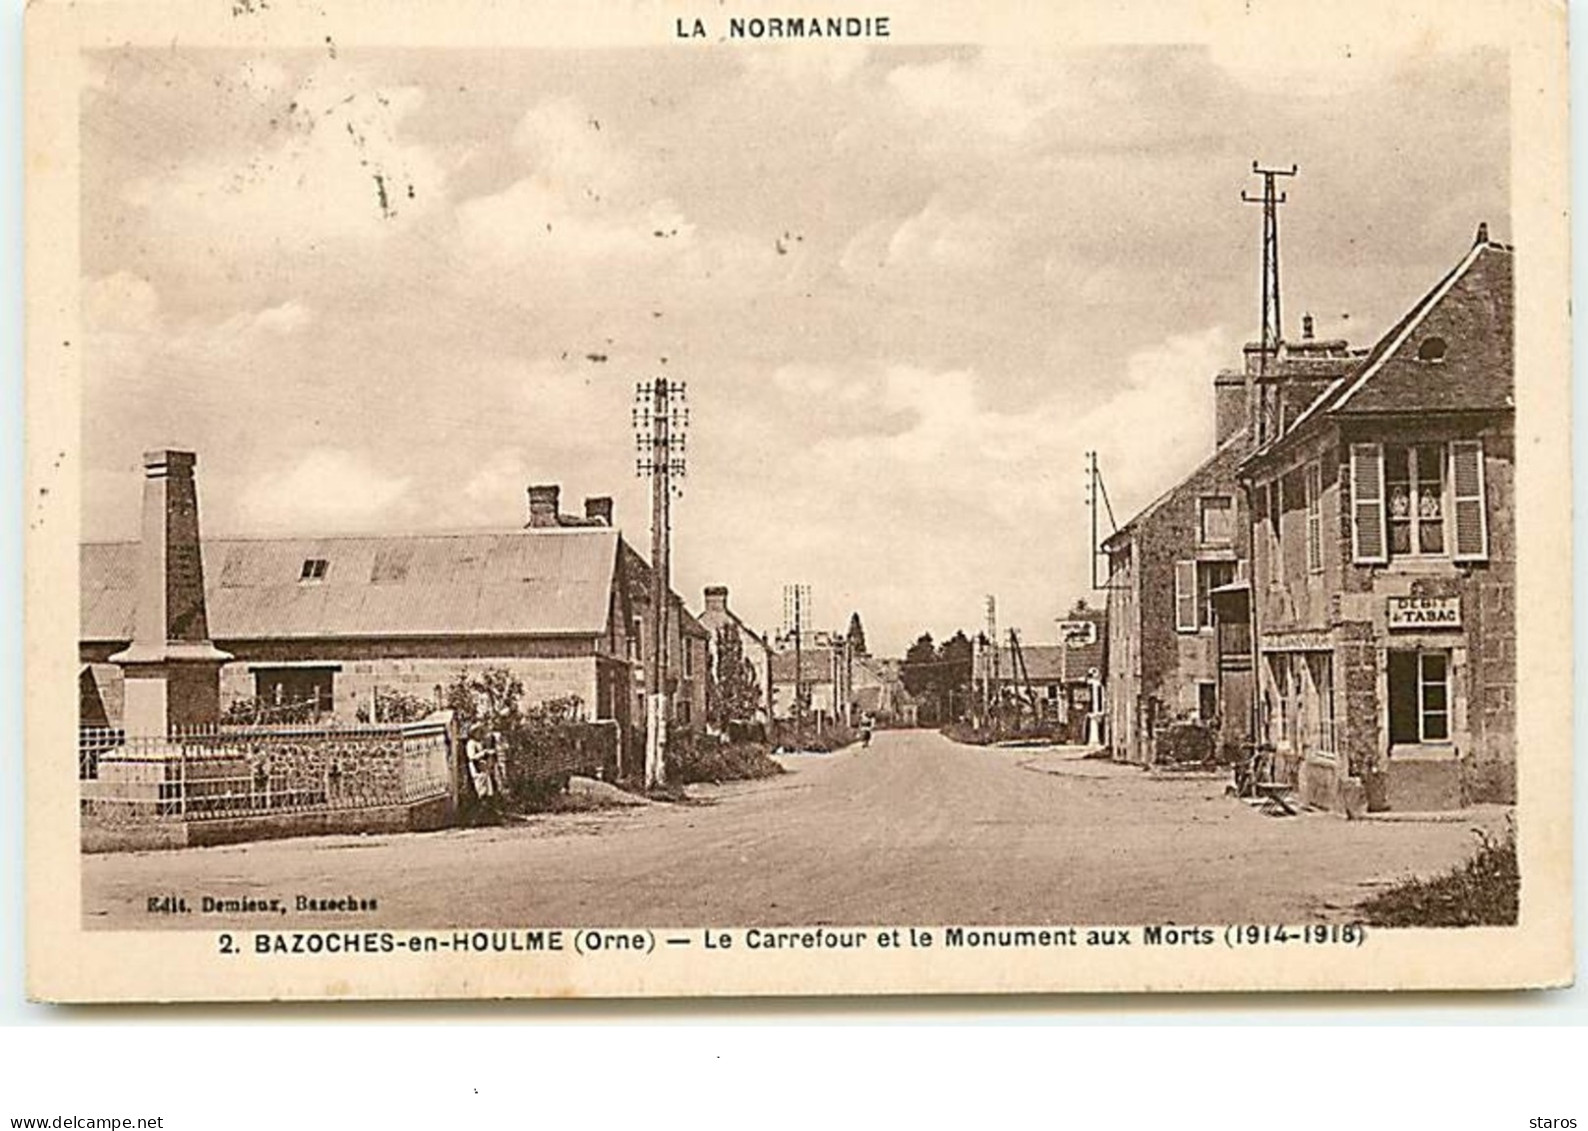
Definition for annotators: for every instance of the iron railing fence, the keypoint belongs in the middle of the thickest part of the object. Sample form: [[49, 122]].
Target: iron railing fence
[[227, 770]]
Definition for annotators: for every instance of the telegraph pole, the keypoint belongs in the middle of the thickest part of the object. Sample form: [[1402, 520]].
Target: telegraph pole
[[991, 690], [1097, 491], [660, 421], [1273, 323], [795, 599]]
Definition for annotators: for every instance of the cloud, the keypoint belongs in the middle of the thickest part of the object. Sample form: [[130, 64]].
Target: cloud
[[994, 93], [336, 167], [921, 247], [120, 302], [288, 318], [801, 67], [579, 203], [327, 489]]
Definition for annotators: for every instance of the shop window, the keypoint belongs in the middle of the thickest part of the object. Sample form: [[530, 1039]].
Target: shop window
[[1419, 694], [1320, 675]]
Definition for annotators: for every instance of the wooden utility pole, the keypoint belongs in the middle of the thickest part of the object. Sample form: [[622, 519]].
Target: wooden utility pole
[[660, 418], [795, 599], [1097, 491]]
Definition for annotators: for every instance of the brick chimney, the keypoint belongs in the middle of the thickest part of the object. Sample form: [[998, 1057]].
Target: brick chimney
[[171, 670], [1306, 327], [716, 598], [545, 499], [1229, 405], [598, 508]]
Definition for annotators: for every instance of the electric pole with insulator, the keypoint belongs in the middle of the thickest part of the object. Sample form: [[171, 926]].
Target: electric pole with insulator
[[660, 420], [796, 602], [1273, 323]]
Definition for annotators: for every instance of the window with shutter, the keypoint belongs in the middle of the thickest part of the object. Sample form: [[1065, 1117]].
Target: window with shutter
[[1314, 498], [1367, 503], [1185, 596], [1468, 501]]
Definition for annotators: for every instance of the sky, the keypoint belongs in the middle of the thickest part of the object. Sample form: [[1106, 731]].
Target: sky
[[908, 288]]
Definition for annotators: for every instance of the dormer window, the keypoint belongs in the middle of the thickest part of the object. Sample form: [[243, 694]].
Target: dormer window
[[314, 569], [1432, 350]]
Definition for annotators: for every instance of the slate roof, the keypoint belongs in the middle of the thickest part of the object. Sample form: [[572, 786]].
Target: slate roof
[[1225, 451], [1044, 663], [816, 666], [544, 582], [1473, 309]]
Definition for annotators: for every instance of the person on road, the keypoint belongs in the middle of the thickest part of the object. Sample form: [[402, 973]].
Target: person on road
[[480, 753], [865, 731]]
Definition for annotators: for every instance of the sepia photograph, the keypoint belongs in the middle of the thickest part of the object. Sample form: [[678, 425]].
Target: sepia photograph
[[798, 503]]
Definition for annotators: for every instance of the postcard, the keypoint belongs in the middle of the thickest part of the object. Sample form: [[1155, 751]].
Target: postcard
[[674, 499]]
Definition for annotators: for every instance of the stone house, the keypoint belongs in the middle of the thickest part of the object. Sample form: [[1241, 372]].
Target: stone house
[[329, 621], [825, 673], [718, 617], [1169, 564], [876, 689], [1383, 581]]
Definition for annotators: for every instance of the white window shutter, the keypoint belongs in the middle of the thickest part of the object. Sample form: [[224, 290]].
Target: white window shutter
[[1368, 541], [1468, 501], [1185, 596]]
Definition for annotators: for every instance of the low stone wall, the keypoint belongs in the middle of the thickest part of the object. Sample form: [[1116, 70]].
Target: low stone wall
[[226, 784], [426, 816]]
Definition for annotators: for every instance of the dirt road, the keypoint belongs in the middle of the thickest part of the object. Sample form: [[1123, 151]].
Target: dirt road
[[914, 830]]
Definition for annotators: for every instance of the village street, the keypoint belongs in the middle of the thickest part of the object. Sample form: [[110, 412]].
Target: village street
[[914, 830]]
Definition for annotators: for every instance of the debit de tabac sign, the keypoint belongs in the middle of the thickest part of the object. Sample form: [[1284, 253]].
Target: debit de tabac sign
[[1425, 612]]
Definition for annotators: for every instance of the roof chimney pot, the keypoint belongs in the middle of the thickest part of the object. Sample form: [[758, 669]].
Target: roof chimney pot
[[1306, 327], [544, 501], [599, 509], [1483, 233]]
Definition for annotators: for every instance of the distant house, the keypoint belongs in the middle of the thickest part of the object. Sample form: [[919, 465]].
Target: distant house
[[1168, 564], [718, 617], [876, 689], [1384, 550], [1059, 682], [824, 675]]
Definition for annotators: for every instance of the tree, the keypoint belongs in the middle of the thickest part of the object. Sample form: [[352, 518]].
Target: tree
[[857, 635], [733, 694], [919, 667], [956, 660], [489, 696]]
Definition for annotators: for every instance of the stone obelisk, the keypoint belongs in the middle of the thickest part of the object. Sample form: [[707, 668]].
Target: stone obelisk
[[171, 671]]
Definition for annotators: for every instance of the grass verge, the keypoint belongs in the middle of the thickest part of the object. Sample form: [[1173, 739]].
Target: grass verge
[[1482, 892]]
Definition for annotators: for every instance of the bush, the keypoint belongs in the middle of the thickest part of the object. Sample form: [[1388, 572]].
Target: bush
[[703, 758], [965, 733], [1186, 742], [1026, 730], [832, 736], [253, 711], [1483, 892], [393, 706]]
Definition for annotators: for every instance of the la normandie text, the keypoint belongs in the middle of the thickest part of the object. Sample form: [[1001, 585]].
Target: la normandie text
[[790, 27]]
